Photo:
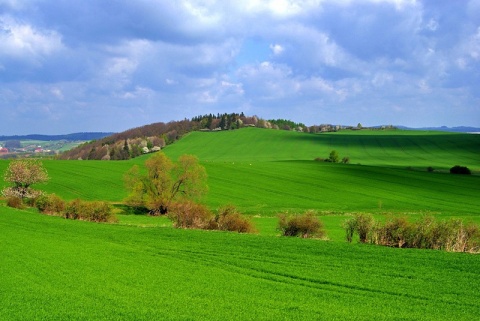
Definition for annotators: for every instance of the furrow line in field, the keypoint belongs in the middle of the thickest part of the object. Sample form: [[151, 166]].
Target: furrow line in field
[[295, 280]]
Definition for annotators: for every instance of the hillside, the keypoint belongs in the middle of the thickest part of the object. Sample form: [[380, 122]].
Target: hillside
[[379, 148], [140, 140], [141, 269], [153, 137], [268, 171]]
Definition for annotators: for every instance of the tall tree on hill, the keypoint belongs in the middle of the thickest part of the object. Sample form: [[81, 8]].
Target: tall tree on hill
[[165, 182]]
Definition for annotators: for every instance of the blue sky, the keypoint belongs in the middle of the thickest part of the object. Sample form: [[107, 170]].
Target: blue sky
[[77, 66]]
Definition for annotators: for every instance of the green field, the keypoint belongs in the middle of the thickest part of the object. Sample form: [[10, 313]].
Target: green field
[[56, 269], [141, 268], [417, 149]]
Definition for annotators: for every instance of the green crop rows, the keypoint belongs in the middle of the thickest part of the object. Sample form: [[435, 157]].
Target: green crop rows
[[58, 269]]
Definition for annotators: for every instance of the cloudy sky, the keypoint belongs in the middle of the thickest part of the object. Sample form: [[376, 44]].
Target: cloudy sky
[[83, 65]]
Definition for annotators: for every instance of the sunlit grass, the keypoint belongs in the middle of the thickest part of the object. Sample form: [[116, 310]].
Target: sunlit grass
[[59, 269]]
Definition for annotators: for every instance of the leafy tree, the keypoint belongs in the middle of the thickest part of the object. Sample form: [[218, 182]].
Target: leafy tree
[[22, 174], [165, 182], [334, 156]]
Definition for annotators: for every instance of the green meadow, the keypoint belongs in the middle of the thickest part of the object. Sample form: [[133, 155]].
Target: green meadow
[[56, 269], [142, 269]]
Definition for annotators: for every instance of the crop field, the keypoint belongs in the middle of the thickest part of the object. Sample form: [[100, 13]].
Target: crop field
[[59, 269], [142, 269], [417, 149]]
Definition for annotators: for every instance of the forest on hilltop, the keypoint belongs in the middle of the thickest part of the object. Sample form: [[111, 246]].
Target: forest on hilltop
[[153, 137]]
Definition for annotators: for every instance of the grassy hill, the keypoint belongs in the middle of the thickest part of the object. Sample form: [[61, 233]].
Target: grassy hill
[[267, 171], [140, 269], [264, 171], [380, 148]]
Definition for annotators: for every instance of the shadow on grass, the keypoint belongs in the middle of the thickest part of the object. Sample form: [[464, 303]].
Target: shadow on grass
[[131, 210]]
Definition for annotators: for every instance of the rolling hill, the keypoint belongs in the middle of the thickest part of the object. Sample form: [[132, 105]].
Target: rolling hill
[[141, 269], [264, 172]]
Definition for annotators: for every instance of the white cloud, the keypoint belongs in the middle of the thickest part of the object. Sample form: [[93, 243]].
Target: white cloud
[[23, 41], [277, 49], [341, 59], [57, 92]]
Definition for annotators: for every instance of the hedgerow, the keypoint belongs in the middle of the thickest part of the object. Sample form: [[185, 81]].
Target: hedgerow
[[95, 211], [188, 214], [50, 204], [427, 233]]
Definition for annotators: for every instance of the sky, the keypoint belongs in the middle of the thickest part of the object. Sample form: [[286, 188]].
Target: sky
[[71, 66]]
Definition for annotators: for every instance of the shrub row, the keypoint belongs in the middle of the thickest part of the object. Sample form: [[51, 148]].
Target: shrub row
[[427, 233], [189, 214], [95, 211], [305, 226]]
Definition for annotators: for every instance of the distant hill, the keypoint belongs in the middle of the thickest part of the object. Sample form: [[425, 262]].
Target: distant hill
[[137, 141], [71, 137], [458, 129]]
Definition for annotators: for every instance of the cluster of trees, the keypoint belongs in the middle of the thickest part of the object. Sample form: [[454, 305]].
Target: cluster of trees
[[223, 121], [334, 157], [427, 233], [286, 124]]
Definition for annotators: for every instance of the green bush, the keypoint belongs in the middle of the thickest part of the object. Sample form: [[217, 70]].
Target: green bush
[[306, 225], [395, 232], [50, 204], [89, 211], [15, 202], [346, 160], [188, 214], [229, 219], [73, 210], [457, 169], [362, 224], [333, 157]]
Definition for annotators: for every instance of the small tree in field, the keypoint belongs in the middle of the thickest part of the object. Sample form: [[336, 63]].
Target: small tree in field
[[334, 156], [23, 174], [165, 182], [457, 169]]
